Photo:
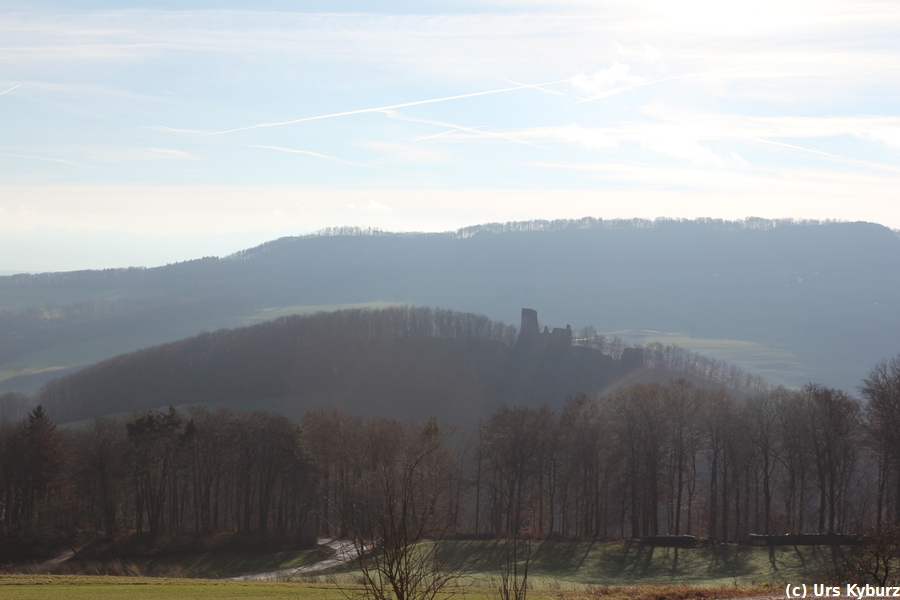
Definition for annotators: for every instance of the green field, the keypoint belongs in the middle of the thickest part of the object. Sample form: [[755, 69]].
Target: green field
[[559, 564], [771, 362], [555, 564], [559, 571], [108, 588], [77, 588]]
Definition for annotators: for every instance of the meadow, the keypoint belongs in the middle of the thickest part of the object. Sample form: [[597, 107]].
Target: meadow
[[113, 588]]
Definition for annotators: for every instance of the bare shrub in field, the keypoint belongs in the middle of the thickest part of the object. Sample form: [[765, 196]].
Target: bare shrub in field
[[393, 514], [876, 561]]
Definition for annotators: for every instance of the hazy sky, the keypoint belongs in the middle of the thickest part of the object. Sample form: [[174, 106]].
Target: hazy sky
[[145, 132]]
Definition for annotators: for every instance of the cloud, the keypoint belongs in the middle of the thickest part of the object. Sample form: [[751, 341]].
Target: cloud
[[606, 79], [647, 52], [311, 153], [44, 158], [761, 130], [169, 153], [828, 154], [891, 137], [688, 148], [370, 206], [475, 131], [408, 154], [592, 138]]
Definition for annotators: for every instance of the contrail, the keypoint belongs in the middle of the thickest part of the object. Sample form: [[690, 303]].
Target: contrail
[[828, 154], [473, 130], [11, 89], [793, 147], [385, 108], [537, 87], [655, 81], [311, 153]]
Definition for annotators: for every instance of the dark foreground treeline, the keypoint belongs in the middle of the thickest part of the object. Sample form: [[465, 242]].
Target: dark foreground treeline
[[649, 459]]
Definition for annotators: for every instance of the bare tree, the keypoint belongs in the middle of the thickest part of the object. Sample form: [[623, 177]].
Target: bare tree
[[881, 388], [514, 556], [762, 411], [394, 518]]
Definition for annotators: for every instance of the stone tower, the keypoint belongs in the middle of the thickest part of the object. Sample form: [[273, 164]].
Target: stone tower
[[529, 332]]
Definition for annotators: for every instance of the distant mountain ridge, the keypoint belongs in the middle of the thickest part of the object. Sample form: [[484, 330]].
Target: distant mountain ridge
[[792, 300]]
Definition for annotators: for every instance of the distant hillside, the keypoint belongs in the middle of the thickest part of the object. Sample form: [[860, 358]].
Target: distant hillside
[[400, 362], [792, 301]]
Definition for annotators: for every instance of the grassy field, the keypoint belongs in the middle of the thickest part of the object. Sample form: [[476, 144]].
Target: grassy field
[[559, 564], [560, 571], [556, 565], [771, 362], [206, 565], [77, 588]]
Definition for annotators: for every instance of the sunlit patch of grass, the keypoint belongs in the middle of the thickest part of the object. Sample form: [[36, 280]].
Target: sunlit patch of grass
[[212, 565], [768, 361]]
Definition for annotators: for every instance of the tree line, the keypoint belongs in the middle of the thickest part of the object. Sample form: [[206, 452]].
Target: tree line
[[156, 473], [646, 460]]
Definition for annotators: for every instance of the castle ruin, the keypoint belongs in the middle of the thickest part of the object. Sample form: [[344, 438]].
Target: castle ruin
[[530, 334]]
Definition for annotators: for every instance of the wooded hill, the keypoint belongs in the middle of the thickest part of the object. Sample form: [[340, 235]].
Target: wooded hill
[[400, 362], [793, 301]]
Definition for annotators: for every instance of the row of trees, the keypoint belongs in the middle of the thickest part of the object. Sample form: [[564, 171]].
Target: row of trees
[[594, 223], [156, 473], [649, 459], [653, 459]]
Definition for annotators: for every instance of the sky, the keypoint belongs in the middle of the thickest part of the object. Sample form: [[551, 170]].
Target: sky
[[141, 133]]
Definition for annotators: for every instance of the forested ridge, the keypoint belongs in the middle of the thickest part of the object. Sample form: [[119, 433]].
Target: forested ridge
[[648, 459], [411, 361], [817, 293]]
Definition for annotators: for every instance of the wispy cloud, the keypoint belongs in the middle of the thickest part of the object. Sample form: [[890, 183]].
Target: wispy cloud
[[592, 138], [169, 153], [687, 147], [370, 206], [476, 131], [827, 154], [172, 129], [10, 89], [762, 130], [45, 158], [644, 82], [311, 153], [602, 81], [442, 134], [891, 136]]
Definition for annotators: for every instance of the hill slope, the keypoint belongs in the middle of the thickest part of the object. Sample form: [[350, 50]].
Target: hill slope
[[791, 301], [408, 363]]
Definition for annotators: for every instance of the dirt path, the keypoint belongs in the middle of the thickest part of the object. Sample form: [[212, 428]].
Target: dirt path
[[49, 564], [344, 552]]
